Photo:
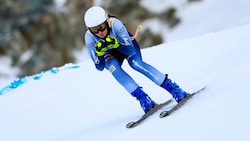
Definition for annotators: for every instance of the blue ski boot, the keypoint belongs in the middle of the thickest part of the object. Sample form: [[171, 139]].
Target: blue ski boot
[[177, 93], [145, 100]]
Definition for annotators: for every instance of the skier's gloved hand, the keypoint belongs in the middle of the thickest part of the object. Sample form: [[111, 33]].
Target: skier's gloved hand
[[112, 42], [100, 48]]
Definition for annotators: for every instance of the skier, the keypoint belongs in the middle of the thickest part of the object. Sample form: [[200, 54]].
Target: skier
[[109, 43]]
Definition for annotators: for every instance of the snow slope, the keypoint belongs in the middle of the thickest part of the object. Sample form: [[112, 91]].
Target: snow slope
[[76, 102]]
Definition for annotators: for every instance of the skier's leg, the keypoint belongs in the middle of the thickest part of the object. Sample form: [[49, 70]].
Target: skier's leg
[[139, 65], [155, 75], [114, 67], [129, 84]]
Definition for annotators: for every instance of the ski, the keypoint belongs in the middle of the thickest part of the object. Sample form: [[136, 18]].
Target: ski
[[168, 112], [146, 115]]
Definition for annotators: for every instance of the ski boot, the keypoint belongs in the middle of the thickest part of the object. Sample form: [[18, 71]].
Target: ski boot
[[177, 93], [145, 100]]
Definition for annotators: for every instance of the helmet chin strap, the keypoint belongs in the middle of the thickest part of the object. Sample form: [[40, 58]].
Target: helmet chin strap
[[108, 28]]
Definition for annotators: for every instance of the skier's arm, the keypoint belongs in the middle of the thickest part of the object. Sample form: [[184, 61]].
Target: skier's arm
[[90, 44], [126, 45]]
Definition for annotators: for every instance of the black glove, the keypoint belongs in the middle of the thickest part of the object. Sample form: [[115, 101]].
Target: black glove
[[112, 42], [100, 48]]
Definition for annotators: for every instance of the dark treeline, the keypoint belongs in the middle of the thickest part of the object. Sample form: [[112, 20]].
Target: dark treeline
[[47, 35]]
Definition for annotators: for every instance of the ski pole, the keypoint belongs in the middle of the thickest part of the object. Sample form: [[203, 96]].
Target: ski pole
[[136, 32]]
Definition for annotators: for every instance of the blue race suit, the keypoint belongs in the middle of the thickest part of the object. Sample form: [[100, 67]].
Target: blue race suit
[[113, 58]]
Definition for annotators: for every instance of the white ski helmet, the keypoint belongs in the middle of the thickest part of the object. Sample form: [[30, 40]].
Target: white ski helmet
[[95, 16]]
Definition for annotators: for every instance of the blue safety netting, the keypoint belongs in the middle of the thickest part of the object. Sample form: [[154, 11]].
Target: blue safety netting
[[20, 81]]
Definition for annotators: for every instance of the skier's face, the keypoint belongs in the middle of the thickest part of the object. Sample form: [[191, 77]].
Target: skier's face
[[102, 34], [100, 30]]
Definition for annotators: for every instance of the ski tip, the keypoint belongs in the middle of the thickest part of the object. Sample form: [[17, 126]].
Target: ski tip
[[131, 124], [201, 89], [163, 114]]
